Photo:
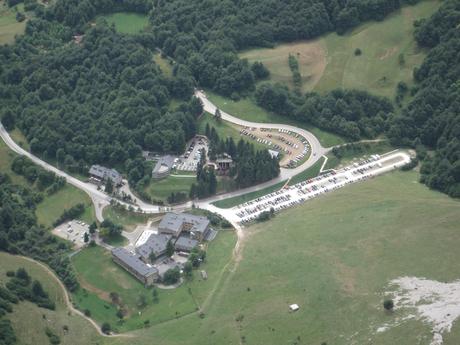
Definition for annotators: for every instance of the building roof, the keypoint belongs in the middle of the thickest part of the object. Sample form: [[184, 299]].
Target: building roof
[[155, 244], [164, 163], [186, 243], [174, 221], [273, 153], [133, 262], [105, 173]]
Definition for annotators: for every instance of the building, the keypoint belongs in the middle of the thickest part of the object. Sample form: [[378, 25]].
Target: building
[[294, 307], [163, 166], [155, 244], [273, 153], [224, 163], [101, 173], [174, 224], [131, 263], [185, 244]]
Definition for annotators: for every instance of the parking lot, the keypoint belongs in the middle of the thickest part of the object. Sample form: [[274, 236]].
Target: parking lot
[[303, 191], [73, 231], [189, 160], [293, 148]]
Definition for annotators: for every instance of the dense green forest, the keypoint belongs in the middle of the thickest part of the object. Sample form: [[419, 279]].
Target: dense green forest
[[20, 233], [432, 119], [206, 35]]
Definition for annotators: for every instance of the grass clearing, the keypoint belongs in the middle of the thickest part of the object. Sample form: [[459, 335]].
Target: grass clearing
[[164, 64], [126, 218], [127, 22], [310, 55], [100, 276], [161, 189], [52, 206], [378, 69], [9, 26], [248, 110], [29, 321], [334, 256]]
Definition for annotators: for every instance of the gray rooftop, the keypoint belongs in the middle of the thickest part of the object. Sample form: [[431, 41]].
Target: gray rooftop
[[166, 161], [133, 262], [174, 221], [105, 173], [156, 243], [186, 243]]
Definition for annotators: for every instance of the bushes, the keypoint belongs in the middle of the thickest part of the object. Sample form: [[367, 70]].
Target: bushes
[[71, 213], [171, 276]]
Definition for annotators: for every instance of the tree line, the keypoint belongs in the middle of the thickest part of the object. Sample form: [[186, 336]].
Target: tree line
[[20, 233], [431, 120]]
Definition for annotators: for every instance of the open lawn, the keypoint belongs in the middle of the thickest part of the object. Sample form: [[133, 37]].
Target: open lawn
[[311, 57], [334, 256], [9, 26], [247, 109], [329, 62], [161, 189], [126, 22], [127, 219], [100, 276], [164, 64], [52, 206], [378, 69], [29, 321]]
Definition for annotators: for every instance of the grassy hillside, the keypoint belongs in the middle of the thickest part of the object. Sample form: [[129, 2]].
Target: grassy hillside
[[99, 276], [330, 62], [334, 256], [126, 22], [30, 321], [9, 26]]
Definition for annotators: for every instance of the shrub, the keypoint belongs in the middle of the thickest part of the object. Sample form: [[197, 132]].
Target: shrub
[[388, 304], [106, 328]]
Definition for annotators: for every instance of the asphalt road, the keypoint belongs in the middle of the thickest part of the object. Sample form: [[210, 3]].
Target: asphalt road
[[101, 200]]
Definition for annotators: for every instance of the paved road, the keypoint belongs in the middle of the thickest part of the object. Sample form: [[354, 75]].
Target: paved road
[[101, 200]]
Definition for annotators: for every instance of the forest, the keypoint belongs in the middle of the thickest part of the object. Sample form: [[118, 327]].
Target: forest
[[431, 121], [205, 35]]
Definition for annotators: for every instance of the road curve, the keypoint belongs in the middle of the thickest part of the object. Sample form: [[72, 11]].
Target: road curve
[[101, 199]]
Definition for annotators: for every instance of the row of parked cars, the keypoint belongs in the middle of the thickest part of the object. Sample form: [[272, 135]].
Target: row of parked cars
[[302, 191]]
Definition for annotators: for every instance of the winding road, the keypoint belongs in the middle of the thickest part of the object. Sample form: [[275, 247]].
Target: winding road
[[101, 199]]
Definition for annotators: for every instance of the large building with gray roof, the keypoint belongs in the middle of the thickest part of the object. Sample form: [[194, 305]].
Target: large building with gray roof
[[156, 244], [175, 224], [102, 173], [163, 166], [131, 263]]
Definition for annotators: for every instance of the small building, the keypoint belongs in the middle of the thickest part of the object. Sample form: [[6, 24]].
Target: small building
[[163, 166], [156, 244], [175, 224], [273, 153], [224, 163], [294, 307], [101, 174], [204, 275], [131, 263], [185, 244]]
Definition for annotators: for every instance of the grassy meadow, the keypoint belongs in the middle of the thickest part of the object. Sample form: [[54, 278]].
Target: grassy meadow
[[329, 62], [127, 219], [99, 276], [334, 256], [126, 22], [9, 26], [161, 189], [29, 321]]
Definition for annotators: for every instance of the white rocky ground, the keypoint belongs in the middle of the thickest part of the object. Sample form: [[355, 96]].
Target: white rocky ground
[[433, 302]]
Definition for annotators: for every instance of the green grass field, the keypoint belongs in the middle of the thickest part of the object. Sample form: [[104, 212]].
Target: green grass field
[[334, 256], [164, 64], [126, 22], [52, 206], [161, 189], [9, 26], [329, 62], [127, 219], [30, 321], [246, 109], [100, 276]]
